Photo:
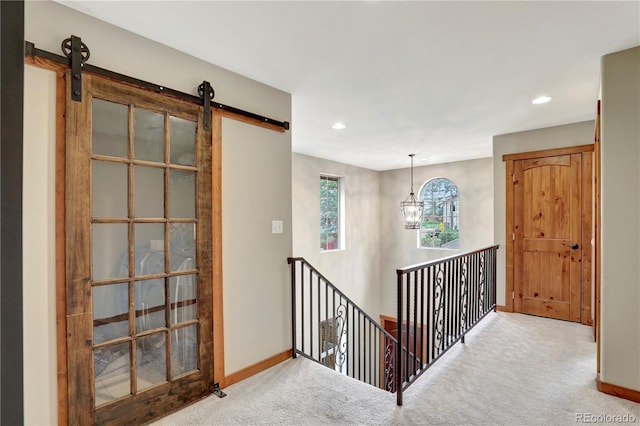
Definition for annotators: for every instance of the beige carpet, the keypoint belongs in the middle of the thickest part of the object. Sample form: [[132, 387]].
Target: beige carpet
[[513, 370]]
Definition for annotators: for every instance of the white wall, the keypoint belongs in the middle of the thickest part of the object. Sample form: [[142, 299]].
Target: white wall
[[39, 307], [355, 270], [534, 140], [620, 279], [256, 189], [399, 246], [46, 25]]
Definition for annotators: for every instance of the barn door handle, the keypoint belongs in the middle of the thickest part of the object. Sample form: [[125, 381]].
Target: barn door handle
[[574, 246]]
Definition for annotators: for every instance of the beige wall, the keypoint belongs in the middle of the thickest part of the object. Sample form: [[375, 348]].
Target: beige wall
[[251, 157], [39, 307], [376, 242], [355, 270], [620, 279], [256, 189], [533, 140], [399, 246]]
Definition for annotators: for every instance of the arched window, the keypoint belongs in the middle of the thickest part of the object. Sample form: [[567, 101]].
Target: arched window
[[440, 219]]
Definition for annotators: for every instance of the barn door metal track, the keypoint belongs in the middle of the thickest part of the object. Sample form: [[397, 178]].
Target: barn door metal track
[[77, 53]]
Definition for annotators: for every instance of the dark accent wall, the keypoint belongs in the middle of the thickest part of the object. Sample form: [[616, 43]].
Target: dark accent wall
[[11, 141]]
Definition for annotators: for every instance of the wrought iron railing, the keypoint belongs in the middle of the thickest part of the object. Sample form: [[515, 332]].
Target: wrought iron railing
[[438, 303], [329, 328]]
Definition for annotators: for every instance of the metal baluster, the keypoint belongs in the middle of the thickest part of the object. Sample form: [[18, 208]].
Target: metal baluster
[[445, 314], [359, 345], [368, 338], [311, 313], [476, 289], [427, 326], [328, 325], [405, 345], [422, 328], [434, 318], [452, 302], [354, 341], [458, 301], [493, 279], [294, 346], [319, 321], [376, 360], [337, 330], [455, 329], [302, 305]]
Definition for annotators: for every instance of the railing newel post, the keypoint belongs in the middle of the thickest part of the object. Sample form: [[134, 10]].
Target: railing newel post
[[294, 352], [398, 355]]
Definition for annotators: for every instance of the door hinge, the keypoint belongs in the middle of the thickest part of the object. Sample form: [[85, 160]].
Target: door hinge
[[513, 236], [513, 295], [513, 178]]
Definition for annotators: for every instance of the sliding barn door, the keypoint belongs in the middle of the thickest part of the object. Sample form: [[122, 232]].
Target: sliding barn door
[[138, 254]]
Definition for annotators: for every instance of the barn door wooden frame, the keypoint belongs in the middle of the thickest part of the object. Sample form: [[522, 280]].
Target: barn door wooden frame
[[60, 66], [137, 403]]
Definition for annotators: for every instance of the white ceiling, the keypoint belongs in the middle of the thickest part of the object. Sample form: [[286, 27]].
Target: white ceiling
[[438, 79]]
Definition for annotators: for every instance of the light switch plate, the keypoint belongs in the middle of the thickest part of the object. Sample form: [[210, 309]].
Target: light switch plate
[[276, 227]]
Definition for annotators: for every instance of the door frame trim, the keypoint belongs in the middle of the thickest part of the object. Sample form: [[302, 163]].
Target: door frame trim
[[587, 223]]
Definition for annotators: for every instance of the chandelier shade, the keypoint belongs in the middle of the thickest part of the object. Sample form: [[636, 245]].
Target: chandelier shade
[[411, 207]]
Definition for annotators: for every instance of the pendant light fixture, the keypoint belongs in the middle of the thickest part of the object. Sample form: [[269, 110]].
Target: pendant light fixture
[[411, 207]]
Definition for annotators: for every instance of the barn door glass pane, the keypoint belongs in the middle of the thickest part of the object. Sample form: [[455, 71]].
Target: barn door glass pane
[[109, 189], [149, 248], [110, 251], [110, 128], [149, 135], [184, 350], [112, 372], [151, 360], [183, 298], [183, 142], [150, 305], [183, 194], [183, 246], [148, 191], [110, 312]]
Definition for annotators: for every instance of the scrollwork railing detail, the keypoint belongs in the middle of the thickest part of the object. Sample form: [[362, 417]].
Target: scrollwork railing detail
[[458, 292], [341, 327]]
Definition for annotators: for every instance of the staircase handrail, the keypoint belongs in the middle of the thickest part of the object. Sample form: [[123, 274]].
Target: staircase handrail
[[378, 326]]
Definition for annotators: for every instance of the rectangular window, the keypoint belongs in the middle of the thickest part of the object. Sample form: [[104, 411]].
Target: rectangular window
[[330, 213]]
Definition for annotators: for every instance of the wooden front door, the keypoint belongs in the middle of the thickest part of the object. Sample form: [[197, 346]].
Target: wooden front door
[[550, 229], [138, 254]]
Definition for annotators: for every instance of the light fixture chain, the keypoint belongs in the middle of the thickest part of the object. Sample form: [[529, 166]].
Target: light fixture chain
[[411, 155]]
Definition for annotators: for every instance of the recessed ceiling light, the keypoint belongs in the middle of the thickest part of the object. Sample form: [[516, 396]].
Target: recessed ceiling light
[[541, 100], [338, 126]]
